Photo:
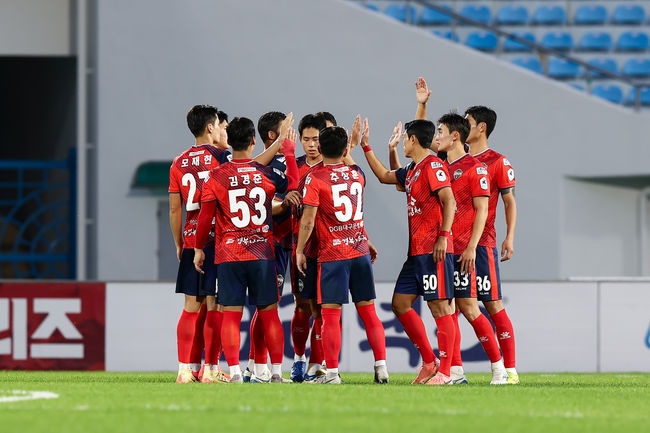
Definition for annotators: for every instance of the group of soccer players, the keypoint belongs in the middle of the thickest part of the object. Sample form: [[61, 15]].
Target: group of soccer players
[[249, 220]]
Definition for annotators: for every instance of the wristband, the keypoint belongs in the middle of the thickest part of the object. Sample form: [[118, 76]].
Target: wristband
[[443, 234], [366, 148]]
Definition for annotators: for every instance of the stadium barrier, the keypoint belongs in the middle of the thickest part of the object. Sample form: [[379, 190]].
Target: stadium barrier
[[574, 326]]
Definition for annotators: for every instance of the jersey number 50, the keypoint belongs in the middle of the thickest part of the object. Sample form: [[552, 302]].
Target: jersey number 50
[[344, 200], [256, 194]]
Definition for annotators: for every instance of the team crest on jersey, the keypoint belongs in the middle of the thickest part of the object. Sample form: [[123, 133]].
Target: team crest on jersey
[[458, 173], [416, 175], [484, 183], [265, 228], [440, 174], [282, 158], [511, 174], [229, 157], [506, 162], [301, 285], [435, 164], [481, 170], [280, 279]]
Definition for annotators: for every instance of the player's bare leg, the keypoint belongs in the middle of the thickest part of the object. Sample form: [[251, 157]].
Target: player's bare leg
[[485, 335], [414, 327], [274, 338], [376, 337], [299, 336], [505, 336], [442, 311], [188, 333]]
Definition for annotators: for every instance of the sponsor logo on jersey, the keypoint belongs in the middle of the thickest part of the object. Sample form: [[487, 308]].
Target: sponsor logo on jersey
[[458, 173], [506, 162], [341, 169], [301, 285], [229, 157], [481, 170], [265, 228], [200, 152], [336, 242], [281, 158], [416, 175], [435, 164], [245, 169], [511, 174]]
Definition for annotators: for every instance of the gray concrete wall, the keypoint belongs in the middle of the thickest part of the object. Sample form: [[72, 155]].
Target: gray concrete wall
[[35, 28], [158, 58]]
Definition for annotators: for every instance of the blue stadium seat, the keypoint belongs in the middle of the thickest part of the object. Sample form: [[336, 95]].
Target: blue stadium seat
[[611, 93], [606, 63], [632, 41], [372, 7], [447, 35], [595, 41], [549, 15], [590, 15], [484, 41], [433, 17], [644, 97], [512, 15], [560, 68], [401, 12], [530, 63], [561, 41], [628, 14], [637, 67], [479, 13], [577, 87], [512, 46]]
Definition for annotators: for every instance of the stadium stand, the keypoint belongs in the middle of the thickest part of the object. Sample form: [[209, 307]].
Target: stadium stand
[[611, 93], [628, 14], [606, 63], [433, 17], [530, 63], [404, 13], [595, 41], [447, 35], [592, 14], [562, 69], [632, 41], [637, 67], [561, 41], [480, 13], [510, 45], [482, 41], [644, 96], [512, 15], [550, 15]]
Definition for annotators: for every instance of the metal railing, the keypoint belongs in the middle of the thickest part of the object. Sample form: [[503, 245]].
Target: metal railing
[[591, 71]]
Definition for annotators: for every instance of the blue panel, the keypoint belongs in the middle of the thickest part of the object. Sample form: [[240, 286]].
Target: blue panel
[[606, 63]]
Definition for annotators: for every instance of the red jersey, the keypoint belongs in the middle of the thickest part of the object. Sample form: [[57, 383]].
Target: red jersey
[[244, 190], [469, 179], [502, 176], [337, 191], [311, 247], [187, 174], [422, 181]]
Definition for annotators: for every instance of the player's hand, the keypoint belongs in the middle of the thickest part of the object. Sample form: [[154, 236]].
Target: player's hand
[[365, 132], [373, 252], [301, 263], [439, 249], [288, 145], [467, 260], [422, 92], [293, 198], [199, 258], [179, 251], [285, 125], [394, 139], [353, 139], [507, 249]]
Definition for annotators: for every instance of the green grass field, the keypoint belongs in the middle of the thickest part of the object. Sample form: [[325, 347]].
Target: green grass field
[[136, 402]]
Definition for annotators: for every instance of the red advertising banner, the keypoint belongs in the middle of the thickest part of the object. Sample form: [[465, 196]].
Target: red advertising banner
[[52, 326]]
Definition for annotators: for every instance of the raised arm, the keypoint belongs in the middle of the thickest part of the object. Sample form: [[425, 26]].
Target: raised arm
[[422, 94], [382, 173], [288, 150], [353, 140], [446, 196], [176, 221], [510, 205], [306, 228], [266, 157]]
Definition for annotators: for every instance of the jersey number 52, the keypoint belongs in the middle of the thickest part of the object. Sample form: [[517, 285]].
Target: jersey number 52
[[344, 200]]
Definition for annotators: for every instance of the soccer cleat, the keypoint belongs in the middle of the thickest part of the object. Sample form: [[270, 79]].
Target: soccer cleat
[[265, 377], [330, 380], [315, 374], [381, 374], [276, 378], [440, 379], [237, 378], [513, 378], [458, 375], [499, 374], [298, 371], [185, 375], [200, 378], [214, 376], [247, 375], [427, 371]]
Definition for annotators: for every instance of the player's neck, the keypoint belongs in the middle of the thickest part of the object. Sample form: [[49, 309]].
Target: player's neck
[[269, 143], [202, 140], [332, 161], [455, 153], [313, 161], [420, 154], [478, 146], [242, 155]]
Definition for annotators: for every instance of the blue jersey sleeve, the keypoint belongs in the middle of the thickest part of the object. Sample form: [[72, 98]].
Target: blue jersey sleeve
[[400, 174], [280, 181]]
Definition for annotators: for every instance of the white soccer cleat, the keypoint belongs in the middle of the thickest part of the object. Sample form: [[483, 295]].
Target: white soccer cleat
[[185, 375], [381, 374], [276, 378], [458, 375], [264, 377], [499, 373], [329, 379]]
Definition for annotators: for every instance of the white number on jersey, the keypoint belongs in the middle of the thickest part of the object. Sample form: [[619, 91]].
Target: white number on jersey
[[430, 282], [484, 284], [236, 206], [188, 179], [457, 280], [344, 200]]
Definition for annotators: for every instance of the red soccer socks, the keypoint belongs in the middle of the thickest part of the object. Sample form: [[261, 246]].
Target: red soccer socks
[[416, 331], [316, 342], [374, 331], [273, 335], [456, 359], [212, 336], [300, 331], [230, 337], [506, 337], [446, 340], [485, 334], [185, 332], [258, 350], [197, 341], [331, 334]]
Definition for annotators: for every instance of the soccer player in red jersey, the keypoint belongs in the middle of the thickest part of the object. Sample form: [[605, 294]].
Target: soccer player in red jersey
[[471, 186], [239, 196], [332, 201], [502, 181], [429, 268]]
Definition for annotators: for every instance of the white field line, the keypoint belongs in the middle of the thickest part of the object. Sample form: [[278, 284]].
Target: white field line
[[20, 395]]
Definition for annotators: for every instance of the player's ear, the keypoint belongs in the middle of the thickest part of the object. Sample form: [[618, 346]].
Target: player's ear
[[272, 135], [252, 142], [482, 126]]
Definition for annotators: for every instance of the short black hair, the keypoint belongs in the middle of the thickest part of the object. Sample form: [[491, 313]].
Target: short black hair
[[311, 121], [327, 116], [223, 117], [199, 117], [241, 132], [456, 123], [424, 130], [484, 114], [333, 141], [269, 122]]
